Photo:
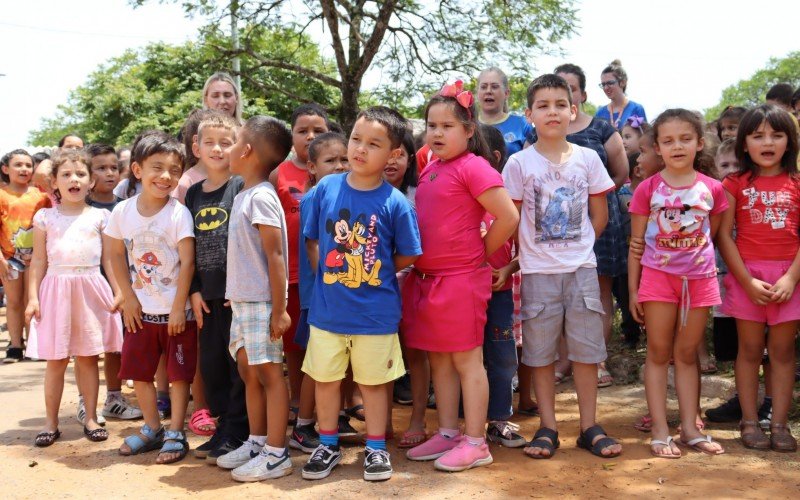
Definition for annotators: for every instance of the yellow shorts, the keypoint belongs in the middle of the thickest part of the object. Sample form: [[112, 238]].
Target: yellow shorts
[[376, 359]]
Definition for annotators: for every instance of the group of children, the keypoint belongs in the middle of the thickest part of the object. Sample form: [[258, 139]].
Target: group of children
[[348, 265]]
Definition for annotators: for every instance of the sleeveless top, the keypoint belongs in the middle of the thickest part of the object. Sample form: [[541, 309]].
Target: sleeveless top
[[291, 187]]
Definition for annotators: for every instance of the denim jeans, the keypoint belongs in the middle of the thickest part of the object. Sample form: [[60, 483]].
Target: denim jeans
[[500, 354]]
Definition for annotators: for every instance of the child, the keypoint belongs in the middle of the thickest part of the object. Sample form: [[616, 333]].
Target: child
[[560, 288], [256, 288], [155, 231], [105, 176], [632, 132], [401, 172], [70, 305], [764, 265], [361, 230], [289, 179], [210, 202], [19, 201], [327, 154], [728, 122], [677, 212], [445, 299], [194, 170], [499, 345]]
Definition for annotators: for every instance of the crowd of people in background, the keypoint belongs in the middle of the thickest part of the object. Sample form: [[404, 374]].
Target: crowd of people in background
[[488, 254]]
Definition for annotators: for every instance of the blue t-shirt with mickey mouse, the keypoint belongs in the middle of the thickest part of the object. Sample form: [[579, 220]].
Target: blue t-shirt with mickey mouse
[[359, 232]]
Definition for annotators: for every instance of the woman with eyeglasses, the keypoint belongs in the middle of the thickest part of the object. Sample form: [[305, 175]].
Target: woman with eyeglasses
[[614, 82]]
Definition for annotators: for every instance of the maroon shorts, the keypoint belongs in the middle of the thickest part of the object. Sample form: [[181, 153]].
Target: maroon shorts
[[293, 308], [141, 351]]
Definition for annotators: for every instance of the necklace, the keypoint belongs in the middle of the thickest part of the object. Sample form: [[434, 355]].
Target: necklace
[[615, 121]]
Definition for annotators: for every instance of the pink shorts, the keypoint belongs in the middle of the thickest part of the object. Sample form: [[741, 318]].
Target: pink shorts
[[658, 286], [446, 313], [738, 305]]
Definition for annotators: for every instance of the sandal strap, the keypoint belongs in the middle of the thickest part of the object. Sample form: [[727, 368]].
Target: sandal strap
[[779, 426], [135, 441], [749, 423], [171, 435], [201, 417], [546, 432], [603, 443], [592, 432]]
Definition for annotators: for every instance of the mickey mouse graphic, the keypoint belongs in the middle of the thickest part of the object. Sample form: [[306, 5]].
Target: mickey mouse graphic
[[350, 246]]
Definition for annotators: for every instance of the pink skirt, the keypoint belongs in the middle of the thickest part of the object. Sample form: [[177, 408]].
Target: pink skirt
[[446, 313], [76, 318]]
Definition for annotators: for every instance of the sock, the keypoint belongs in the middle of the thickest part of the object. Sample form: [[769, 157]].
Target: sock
[[376, 442], [113, 394], [304, 421], [278, 452], [162, 395], [475, 441], [259, 440], [448, 433], [343, 413], [329, 438]]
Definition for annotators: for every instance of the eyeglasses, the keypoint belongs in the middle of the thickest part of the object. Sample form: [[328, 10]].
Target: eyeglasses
[[609, 83]]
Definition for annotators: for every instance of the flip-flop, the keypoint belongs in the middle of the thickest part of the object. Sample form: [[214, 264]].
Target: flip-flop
[[531, 411], [562, 377], [601, 374], [411, 439], [695, 445], [645, 424], [708, 368], [667, 444]]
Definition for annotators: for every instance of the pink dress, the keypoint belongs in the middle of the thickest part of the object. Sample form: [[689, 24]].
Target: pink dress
[[445, 298], [74, 298]]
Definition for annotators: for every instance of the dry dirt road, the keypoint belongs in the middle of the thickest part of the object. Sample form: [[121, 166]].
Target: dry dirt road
[[75, 468]]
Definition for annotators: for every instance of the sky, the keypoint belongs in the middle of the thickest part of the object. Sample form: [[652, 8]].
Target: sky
[[677, 53]]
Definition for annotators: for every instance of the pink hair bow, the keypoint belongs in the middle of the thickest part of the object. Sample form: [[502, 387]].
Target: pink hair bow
[[635, 121], [676, 203], [463, 97]]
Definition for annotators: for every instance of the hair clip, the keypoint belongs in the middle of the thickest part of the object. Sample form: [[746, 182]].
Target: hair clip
[[462, 97], [635, 121]]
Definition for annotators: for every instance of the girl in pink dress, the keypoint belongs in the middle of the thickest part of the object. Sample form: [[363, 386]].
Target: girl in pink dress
[[445, 298], [71, 305]]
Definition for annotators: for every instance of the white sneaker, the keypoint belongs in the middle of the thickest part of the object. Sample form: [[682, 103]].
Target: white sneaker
[[81, 414], [264, 466], [249, 450], [119, 407]]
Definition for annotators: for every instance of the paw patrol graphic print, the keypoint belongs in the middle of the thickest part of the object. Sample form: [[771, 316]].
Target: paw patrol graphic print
[[152, 269], [353, 261]]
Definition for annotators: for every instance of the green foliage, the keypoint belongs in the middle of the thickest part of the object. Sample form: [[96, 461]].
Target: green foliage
[[156, 87], [751, 92]]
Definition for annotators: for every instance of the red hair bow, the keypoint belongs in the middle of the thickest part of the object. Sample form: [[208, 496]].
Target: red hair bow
[[463, 97]]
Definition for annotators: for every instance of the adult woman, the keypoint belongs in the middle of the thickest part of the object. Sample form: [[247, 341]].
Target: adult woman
[[220, 93], [610, 248], [493, 109], [614, 82]]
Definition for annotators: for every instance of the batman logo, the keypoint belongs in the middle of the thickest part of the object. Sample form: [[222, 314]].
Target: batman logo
[[208, 219]]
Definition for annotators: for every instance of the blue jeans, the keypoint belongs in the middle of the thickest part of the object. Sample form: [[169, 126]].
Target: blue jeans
[[500, 354]]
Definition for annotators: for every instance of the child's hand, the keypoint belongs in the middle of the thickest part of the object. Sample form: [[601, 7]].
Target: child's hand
[[198, 306], [637, 310], [278, 324], [32, 311], [637, 247], [131, 313], [499, 277], [177, 320], [3, 270], [116, 303], [783, 289], [760, 292]]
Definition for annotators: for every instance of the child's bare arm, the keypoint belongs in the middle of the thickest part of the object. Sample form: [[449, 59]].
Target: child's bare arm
[[131, 308], [598, 213], [177, 316], [403, 261], [272, 244], [108, 267], [36, 272], [312, 249], [498, 203], [638, 227]]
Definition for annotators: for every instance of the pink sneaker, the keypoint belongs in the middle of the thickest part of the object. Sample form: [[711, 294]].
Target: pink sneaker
[[464, 456], [433, 448]]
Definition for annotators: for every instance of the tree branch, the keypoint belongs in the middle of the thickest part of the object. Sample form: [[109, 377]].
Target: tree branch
[[331, 17], [374, 41], [272, 63]]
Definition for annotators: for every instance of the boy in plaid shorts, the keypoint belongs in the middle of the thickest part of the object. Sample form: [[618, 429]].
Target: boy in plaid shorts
[[256, 288]]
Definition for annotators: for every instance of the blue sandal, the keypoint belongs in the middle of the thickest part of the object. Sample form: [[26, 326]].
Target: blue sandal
[[587, 436], [174, 442], [540, 440], [146, 440]]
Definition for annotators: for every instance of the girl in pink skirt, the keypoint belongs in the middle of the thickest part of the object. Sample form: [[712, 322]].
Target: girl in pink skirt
[[71, 305], [445, 298]]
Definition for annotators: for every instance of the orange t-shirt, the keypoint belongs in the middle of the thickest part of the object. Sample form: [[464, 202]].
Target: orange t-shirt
[[16, 221], [291, 186]]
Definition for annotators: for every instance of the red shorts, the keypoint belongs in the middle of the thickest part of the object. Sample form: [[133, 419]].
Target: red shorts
[[141, 351], [293, 308], [658, 286]]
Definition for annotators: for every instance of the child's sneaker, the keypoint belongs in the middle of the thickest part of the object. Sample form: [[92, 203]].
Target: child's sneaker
[[204, 449], [322, 462], [304, 438], [13, 354], [765, 414], [433, 448], [377, 465], [505, 434], [224, 447], [729, 411], [81, 414], [240, 456], [464, 456], [164, 408], [345, 429], [118, 406], [264, 466]]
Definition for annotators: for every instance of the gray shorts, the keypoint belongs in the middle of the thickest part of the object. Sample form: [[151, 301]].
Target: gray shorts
[[556, 304]]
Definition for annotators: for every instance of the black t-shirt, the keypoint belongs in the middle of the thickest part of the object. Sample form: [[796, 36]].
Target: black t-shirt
[[211, 214], [100, 204]]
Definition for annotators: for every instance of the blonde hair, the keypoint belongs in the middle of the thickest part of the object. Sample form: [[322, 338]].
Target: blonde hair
[[503, 78], [218, 120], [221, 76]]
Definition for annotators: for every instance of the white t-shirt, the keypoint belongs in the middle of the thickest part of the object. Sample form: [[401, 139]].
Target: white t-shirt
[[248, 272], [555, 232], [152, 244], [121, 190]]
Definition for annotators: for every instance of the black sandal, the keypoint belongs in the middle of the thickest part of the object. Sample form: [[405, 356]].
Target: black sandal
[[96, 435], [353, 412], [539, 441], [45, 439], [587, 436]]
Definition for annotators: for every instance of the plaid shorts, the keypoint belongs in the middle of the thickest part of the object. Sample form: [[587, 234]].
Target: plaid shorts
[[611, 247], [250, 330]]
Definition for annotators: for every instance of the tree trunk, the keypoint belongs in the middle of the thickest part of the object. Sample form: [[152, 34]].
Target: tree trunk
[[348, 110]]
